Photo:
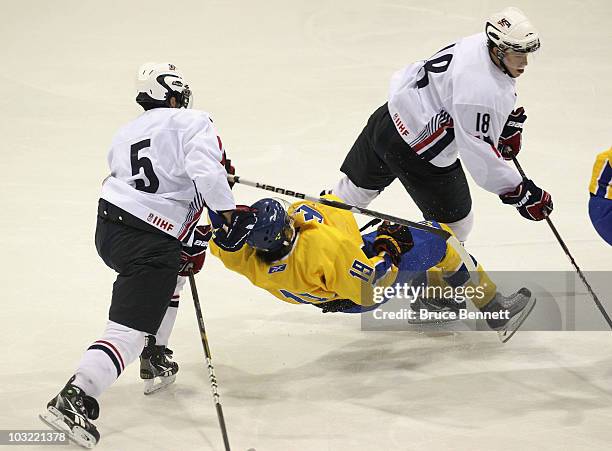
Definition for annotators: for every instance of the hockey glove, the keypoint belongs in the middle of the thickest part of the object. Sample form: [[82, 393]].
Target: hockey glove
[[337, 305], [192, 257], [531, 201], [231, 237], [511, 136], [394, 239], [229, 168]]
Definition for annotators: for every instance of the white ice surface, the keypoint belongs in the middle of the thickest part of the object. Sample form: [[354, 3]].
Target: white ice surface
[[290, 84]]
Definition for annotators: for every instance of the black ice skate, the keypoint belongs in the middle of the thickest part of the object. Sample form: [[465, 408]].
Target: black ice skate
[[438, 311], [70, 412], [518, 307], [155, 366]]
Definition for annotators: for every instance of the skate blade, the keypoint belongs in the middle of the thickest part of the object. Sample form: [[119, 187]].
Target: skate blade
[[151, 386], [515, 323], [54, 419]]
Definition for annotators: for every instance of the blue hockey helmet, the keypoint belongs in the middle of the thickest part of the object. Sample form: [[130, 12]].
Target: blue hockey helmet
[[273, 229]]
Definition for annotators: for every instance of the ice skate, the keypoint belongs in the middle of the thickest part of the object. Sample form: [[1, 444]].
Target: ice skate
[[70, 412], [155, 366], [439, 311], [518, 307]]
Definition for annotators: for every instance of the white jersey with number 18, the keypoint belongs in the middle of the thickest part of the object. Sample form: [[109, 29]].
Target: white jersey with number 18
[[165, 165], [455, 105]]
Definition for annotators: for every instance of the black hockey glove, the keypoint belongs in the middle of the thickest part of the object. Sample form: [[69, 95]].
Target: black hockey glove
[[510, 139], [337, 305], [232, 237], [394, 239], [531, 201], [192, 257]]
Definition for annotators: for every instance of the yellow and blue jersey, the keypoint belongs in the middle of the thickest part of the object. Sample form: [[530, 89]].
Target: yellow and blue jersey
[[601, 179], [326, 262], [443, 265], [600, 203]]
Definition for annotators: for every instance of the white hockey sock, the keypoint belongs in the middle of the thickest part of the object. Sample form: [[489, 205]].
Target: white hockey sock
[[107, 357], [353, 194], [463, 227], [165, 329]]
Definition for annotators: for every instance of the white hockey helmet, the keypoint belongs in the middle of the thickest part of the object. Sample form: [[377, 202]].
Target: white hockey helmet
[[157, 82], [511, 30]]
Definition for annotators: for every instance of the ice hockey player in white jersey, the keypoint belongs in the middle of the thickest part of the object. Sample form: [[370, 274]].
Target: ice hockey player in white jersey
[[454, 109], [165, 167]]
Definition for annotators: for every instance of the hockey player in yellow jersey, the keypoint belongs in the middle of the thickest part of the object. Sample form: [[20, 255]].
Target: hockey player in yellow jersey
[[317, 257], [310, 253], [600, 202]]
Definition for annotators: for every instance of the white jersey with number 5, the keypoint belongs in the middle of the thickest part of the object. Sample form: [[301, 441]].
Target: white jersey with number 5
[[456, 104], [164, 165]]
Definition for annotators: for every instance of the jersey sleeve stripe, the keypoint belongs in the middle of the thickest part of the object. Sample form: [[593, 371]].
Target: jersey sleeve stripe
[[195, 211]]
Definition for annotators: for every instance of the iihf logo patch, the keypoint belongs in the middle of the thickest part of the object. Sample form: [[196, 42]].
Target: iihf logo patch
[[277, 268]]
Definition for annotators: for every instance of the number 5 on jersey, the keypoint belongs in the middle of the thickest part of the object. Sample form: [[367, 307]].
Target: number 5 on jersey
[[147, 168]]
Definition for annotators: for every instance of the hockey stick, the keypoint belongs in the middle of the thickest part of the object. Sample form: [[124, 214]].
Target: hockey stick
[[569, 255], [448, 237], [332, 203], [211, 370]]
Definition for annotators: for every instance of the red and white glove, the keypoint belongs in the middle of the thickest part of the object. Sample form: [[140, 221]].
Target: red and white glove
[[531, 201], [192, 257], [229, 168], [510, 140]]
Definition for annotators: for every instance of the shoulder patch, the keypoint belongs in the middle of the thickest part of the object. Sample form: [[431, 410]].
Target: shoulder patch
[[310, 213], [277, 268]]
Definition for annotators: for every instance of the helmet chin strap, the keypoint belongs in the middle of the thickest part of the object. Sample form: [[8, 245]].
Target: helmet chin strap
[[288, 244], [500, 57]]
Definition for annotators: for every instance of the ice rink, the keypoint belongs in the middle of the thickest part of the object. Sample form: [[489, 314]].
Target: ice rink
[[290, 84]]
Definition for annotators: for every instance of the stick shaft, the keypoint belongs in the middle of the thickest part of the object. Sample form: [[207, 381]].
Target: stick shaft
[[211, 369], [450, 239], [332, 203], [569, 255]]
